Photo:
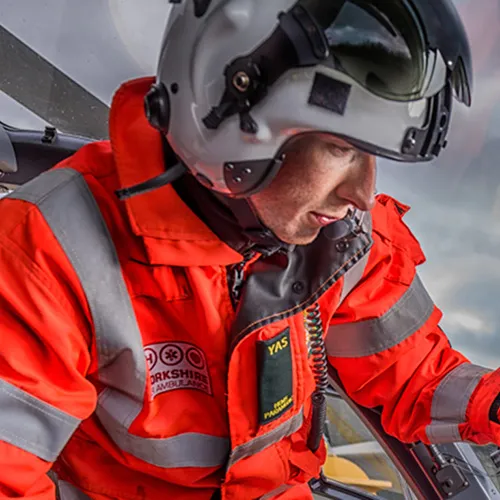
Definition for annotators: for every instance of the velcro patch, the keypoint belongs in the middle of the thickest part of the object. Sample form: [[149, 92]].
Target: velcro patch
[[176, 365], [275, 371], [330, 94]]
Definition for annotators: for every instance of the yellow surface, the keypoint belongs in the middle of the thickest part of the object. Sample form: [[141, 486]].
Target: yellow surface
[[344, 471]]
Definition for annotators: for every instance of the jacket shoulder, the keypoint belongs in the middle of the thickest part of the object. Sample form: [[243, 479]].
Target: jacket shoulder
[[95, 159]]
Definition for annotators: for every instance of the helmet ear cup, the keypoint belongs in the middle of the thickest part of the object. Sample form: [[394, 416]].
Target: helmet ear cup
[[157, 107]]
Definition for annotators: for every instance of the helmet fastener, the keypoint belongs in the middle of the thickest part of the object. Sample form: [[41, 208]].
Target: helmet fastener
[[241, 81]]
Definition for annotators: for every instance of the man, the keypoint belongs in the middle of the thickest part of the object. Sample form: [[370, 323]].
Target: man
[[167, 298]]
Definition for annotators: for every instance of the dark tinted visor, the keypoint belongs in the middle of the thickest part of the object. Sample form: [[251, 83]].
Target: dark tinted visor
[[378, 43]]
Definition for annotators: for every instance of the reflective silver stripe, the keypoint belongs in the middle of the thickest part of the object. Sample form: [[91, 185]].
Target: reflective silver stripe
[[276, 491], [353, 276], [262, 442], [69, 492], [450, 402], [32, 424], [69, 208], [184, 450], [409, 314]]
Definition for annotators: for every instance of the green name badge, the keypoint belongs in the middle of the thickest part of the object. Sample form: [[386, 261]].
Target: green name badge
[[275, 372]]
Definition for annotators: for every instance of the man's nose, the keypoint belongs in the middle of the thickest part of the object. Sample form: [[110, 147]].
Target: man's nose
[[358, 186]]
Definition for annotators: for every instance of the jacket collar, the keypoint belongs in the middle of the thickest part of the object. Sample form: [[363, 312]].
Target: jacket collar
[[172, 233]]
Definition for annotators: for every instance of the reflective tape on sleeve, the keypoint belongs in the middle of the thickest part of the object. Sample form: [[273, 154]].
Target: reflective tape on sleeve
[[450, 401], [33, 425], [70, 210], [364, 338]]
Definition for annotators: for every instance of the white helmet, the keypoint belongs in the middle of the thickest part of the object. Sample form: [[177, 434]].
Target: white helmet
[[237, 79]]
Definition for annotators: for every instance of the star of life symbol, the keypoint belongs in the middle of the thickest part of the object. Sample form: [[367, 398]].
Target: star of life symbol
[[176, 365]]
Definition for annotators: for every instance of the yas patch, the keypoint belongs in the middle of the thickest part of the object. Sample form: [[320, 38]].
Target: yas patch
[[275, 371], [177, 365]]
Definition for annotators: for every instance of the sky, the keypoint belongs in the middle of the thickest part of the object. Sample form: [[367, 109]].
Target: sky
[[455, 201]]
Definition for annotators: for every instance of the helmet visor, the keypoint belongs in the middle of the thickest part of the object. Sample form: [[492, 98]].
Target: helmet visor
[[378, 43]]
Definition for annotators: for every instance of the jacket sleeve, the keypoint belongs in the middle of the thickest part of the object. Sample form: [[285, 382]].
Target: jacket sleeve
[[389, 351], [44, 357]]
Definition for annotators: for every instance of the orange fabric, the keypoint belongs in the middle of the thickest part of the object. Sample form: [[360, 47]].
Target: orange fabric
[[174, 268]]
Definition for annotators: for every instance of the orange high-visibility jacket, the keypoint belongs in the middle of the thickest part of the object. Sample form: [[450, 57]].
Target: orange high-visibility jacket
[[126, 370]]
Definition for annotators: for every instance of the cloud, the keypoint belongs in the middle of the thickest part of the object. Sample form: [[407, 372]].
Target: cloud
[[461, 239], [470, 322]]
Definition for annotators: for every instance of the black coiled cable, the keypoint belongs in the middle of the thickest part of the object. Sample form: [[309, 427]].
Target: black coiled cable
[[317, 346]]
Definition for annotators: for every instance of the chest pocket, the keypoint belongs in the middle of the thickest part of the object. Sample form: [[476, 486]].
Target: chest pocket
[[160, 282]]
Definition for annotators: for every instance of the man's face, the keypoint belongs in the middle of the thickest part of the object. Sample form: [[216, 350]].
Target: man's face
[[321, 179]]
